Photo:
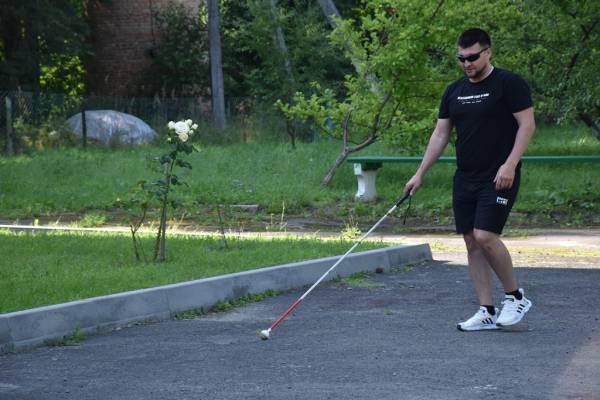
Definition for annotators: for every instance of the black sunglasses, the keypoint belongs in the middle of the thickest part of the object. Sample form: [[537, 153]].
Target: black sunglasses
[[471, 57]]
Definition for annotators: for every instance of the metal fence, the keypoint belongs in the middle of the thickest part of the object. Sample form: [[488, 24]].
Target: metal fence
[[36, 108]]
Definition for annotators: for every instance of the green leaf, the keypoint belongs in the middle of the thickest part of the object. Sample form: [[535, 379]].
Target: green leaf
[[183, 164]]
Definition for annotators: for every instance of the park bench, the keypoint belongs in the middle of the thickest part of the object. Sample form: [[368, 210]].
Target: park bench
[[366, 167]]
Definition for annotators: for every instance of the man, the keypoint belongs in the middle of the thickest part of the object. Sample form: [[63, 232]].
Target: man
[[492, 111]]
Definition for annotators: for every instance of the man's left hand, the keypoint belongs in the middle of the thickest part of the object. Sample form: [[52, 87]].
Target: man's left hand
[[505, 177]]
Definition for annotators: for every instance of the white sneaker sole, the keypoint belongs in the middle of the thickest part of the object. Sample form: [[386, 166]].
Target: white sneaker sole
[[479, 328], [527, 307]]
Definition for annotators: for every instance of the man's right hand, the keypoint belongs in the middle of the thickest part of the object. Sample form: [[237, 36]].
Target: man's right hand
[[413, 185]]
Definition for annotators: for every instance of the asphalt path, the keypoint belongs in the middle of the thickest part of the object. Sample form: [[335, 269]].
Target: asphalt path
[[391, 336]]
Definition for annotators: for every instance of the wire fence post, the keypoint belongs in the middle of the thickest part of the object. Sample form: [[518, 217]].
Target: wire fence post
[[10, 146], [83, 128]]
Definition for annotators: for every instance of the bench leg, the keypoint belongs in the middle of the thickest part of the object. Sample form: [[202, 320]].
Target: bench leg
[[366, 183]]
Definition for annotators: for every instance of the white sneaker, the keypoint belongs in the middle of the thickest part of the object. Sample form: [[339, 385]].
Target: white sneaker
[[514, 310], [482, 320]]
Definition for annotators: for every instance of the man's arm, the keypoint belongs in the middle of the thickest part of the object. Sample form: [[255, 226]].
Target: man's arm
[[506, 173], [437, 143]]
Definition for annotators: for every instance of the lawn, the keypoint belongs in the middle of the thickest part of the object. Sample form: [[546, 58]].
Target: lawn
[[282, 180], [42, 269]]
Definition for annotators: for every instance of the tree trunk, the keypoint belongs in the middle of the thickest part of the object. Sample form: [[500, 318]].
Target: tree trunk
[[336, 164], [280, 41], [372, 138], [10, 146], [291, 131], [287, 64], [216, 68], [11, 41], [346, 151], [20, 47], [329, 10], [32, 40], [591, 124], [83, 129]]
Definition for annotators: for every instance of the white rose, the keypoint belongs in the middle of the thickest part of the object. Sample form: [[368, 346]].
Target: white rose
[[195, 126], [181, 127], [183, 136], [189, 122], [171, 125]]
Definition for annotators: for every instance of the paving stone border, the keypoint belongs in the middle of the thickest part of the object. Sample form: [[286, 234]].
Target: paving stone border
[[30, 328]]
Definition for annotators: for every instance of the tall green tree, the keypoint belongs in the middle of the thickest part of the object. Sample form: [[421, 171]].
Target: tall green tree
[[183, 53], [404, 54], [392, 95], [308, 56], [561, 42], [216, 65], [253, 65], [553, 44], [239, 56]]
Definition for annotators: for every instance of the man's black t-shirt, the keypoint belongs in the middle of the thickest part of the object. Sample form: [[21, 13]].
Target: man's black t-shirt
[[482, 113]]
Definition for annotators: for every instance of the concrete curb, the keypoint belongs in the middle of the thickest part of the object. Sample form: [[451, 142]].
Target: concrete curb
[[30, 328]]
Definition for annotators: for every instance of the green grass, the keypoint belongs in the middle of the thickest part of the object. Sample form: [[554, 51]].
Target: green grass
[[227, 305], [91, 220], [73, 180], [546, 188], [73, 339], [41, 269], [555, 140], [53, 183]]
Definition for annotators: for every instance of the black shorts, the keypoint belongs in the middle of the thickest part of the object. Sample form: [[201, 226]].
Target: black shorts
[[479, 205]]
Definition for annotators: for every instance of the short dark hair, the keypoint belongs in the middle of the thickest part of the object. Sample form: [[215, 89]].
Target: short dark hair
[[474, 35]]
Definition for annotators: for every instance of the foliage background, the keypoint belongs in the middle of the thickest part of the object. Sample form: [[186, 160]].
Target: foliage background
[[379, 72]]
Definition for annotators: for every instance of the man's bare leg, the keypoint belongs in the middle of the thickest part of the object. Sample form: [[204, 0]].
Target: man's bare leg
[[498, 258], [479, 270]]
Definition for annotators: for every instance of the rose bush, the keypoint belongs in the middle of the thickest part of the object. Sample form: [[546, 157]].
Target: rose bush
[[158, 191]]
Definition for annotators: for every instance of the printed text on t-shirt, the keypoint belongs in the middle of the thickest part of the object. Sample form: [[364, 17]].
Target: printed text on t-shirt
[[476, 98]]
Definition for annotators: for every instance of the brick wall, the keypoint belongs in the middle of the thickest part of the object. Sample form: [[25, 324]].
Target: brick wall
[[123, 34]]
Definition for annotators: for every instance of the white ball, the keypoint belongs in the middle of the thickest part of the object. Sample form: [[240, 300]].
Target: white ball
[[264, 335]]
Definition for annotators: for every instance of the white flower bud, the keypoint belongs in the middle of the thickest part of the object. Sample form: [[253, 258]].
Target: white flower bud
[[171, 125], [195, 126], [189, 122]]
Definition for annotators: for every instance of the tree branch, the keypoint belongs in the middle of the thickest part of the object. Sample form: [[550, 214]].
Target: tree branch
[[346, 124], [377, 117], [586, 35], [439, 6]]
